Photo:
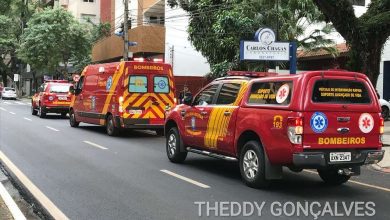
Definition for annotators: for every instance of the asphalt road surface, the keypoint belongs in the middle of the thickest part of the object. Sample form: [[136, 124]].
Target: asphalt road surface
[[89, 175]]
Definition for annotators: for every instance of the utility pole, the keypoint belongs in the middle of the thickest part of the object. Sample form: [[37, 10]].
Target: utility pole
[[172, 53], [125, 31]]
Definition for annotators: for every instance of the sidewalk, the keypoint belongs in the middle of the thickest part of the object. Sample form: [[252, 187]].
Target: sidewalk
[[384, 165], [5, 214]]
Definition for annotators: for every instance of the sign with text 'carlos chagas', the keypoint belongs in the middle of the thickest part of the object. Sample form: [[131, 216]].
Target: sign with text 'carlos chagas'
[[264, 47]]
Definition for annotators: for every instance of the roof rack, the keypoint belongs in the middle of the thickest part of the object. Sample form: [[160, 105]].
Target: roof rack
[[233, 77], [57, 81]]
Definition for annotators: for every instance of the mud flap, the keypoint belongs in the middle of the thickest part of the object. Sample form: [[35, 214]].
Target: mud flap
[[272, 172]]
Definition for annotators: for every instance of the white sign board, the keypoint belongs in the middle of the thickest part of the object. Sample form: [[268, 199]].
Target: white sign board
[[264, 47], [16, 77], [252, 50]]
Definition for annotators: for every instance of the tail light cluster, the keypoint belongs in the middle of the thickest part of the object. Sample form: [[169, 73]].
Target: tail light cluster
[[295, 129], [120, 108]]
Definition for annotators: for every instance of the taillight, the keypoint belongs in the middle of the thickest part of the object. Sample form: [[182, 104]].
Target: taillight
[[382, 126], [295, 129], [175, 101], [121, 99]]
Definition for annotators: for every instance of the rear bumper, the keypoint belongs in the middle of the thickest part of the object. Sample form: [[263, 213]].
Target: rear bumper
[[56, 109], [137, 123], [320, 159], [9, 96]]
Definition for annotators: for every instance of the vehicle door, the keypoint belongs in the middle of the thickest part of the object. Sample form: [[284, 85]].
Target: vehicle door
[[222, 119], [197, 116], [78, 105]]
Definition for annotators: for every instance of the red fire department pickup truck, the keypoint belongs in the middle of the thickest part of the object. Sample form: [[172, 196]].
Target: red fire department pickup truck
[[325, 120]]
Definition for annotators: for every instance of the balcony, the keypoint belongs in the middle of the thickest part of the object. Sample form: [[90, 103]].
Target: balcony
[[150, 39]]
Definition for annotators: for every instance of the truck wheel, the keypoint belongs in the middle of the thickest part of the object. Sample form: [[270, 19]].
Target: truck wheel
[[331, 177], [110, 126], [252, 165], [33, 110], [41, 112], [173, 145], [72, 119]]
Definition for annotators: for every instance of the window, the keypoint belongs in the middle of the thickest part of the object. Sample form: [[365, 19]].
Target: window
[[228, 93], [88, 0], [161, 84], [206, 96], [153, 20], [138, 84], [358, 2], [80, 83], [340, 92], [59, 88], [88, 18], [271, 93]]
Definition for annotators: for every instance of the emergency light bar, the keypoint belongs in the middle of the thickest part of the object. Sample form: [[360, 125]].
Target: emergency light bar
[[141, 59], [251, 74]]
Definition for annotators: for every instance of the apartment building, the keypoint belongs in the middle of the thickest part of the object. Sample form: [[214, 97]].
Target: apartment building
[[147, 30], [83, 10]]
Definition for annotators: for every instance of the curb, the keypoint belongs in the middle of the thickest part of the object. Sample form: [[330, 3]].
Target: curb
[[32, 193], [10, 203]]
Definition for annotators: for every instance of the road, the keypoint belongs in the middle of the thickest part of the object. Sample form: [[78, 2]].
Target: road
[[89, 175]]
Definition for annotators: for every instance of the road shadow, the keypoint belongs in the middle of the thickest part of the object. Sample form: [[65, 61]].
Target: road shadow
[[55, 117], [128, 133], [305, 185]]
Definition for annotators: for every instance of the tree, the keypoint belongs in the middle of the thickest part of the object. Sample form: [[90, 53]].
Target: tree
[[216, 28], [365, 35], [54, 37]]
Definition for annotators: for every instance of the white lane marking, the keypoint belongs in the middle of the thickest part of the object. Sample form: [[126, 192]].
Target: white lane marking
[[47, 204], [13, 208], [3, 109], [27, 119], [185, 179], [12, 113], [52, 128], [96, 145], [20, 103], [7, 103], [358, 183]]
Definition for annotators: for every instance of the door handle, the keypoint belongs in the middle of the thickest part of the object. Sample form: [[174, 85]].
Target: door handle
[[203, 113], [183, 113], [343, 130], [227, 113]]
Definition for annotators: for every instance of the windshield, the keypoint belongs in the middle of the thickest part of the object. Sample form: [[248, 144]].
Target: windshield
[[59, 88], [9, 89]]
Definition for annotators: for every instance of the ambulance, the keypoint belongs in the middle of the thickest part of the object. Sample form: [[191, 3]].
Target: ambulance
[[325, 120], [123, 95]]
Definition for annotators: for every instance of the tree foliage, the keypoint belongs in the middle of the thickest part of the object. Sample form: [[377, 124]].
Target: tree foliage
[[217, 26], [54, 37], [365, 35]]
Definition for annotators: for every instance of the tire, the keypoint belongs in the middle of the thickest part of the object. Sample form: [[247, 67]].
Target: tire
[[252, 165], [72, 119], [110, 126], [33, 110], [42, 113], [385, 112], [173, 145], [331, 177], [160, 132]]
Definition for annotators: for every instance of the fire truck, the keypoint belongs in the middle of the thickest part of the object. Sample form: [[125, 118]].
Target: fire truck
[[124, 95], [325, 120]]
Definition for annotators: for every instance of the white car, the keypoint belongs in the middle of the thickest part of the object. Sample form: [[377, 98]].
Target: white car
[[385, 105], [8, 93]]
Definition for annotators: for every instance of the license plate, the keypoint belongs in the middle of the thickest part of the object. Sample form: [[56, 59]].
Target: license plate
[[62, 98], [135, 112], [340, 156]]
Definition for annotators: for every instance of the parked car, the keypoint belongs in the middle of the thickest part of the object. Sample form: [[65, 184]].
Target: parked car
[[8, 93], [385, 105], [52, 97], [325, 120]]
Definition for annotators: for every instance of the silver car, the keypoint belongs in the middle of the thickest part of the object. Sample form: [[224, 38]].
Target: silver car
[[385, 105], [8, 93]]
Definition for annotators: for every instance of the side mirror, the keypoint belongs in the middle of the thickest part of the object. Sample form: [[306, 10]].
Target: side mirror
[[71, 90], [187, 99]]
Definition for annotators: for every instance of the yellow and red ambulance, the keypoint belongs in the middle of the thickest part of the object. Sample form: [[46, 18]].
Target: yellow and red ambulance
[[131, 94]]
